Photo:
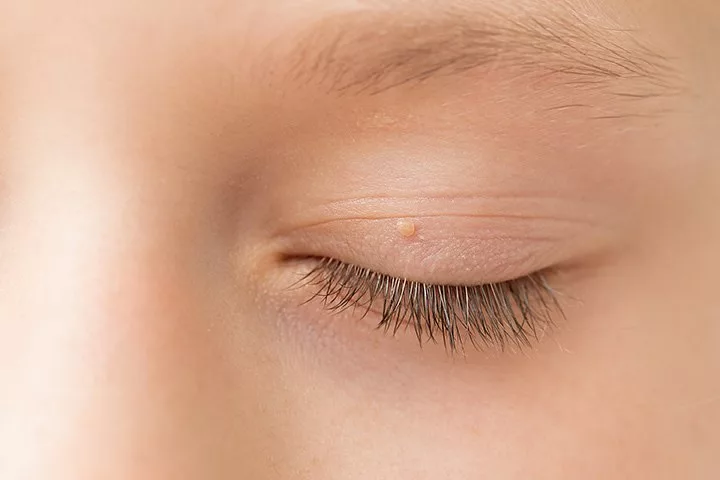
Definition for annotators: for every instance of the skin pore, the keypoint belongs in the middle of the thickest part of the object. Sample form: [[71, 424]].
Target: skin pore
[[171, 171]]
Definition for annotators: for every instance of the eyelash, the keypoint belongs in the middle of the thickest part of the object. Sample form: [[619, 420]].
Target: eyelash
[[494, 315]]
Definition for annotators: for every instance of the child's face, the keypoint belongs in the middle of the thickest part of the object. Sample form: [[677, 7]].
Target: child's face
[[169, 170]]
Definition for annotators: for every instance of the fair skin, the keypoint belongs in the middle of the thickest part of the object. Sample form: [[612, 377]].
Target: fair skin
[[168, 170]]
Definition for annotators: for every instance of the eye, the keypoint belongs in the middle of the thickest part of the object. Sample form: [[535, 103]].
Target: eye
[[510, 314]]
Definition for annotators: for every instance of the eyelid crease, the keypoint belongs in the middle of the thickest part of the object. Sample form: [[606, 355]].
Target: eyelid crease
[[514, 313], [558, 211], [451, 215], [450, 241]]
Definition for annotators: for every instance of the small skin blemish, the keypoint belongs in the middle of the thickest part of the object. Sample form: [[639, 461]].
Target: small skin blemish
[[406, 228]]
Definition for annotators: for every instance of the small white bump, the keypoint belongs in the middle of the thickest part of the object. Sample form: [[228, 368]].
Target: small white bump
[[406, 228]]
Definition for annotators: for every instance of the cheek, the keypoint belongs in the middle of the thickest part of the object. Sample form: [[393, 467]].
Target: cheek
[[429, 422]]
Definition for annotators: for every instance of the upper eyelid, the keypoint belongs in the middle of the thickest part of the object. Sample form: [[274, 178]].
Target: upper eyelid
[[507, 206], [450, 196], [584, 222], [476, 237], [370, 271], [445, 249]]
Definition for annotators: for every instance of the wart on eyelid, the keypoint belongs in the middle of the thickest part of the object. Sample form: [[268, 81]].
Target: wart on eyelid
[[406, 228]]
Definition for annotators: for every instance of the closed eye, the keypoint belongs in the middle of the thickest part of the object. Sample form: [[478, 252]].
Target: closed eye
[[513, 313]]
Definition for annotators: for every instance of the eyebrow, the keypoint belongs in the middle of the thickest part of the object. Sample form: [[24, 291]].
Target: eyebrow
[[372, 52]]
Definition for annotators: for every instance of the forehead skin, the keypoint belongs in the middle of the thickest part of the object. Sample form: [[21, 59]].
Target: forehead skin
[[149, 151]]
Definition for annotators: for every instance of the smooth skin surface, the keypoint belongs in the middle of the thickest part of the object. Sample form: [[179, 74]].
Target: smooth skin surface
[[167, 168]]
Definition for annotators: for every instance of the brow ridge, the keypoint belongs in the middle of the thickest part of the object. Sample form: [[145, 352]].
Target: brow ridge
[[370, 53]]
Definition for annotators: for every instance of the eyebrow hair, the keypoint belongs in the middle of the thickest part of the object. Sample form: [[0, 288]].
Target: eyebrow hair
[[372, 52]]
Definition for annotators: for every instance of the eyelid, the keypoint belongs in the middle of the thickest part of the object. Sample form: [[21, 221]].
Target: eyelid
[[440, 250], [453, 240], [496, 315]]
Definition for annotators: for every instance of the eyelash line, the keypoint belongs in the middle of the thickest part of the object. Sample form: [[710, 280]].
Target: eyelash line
[[491, 315]]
